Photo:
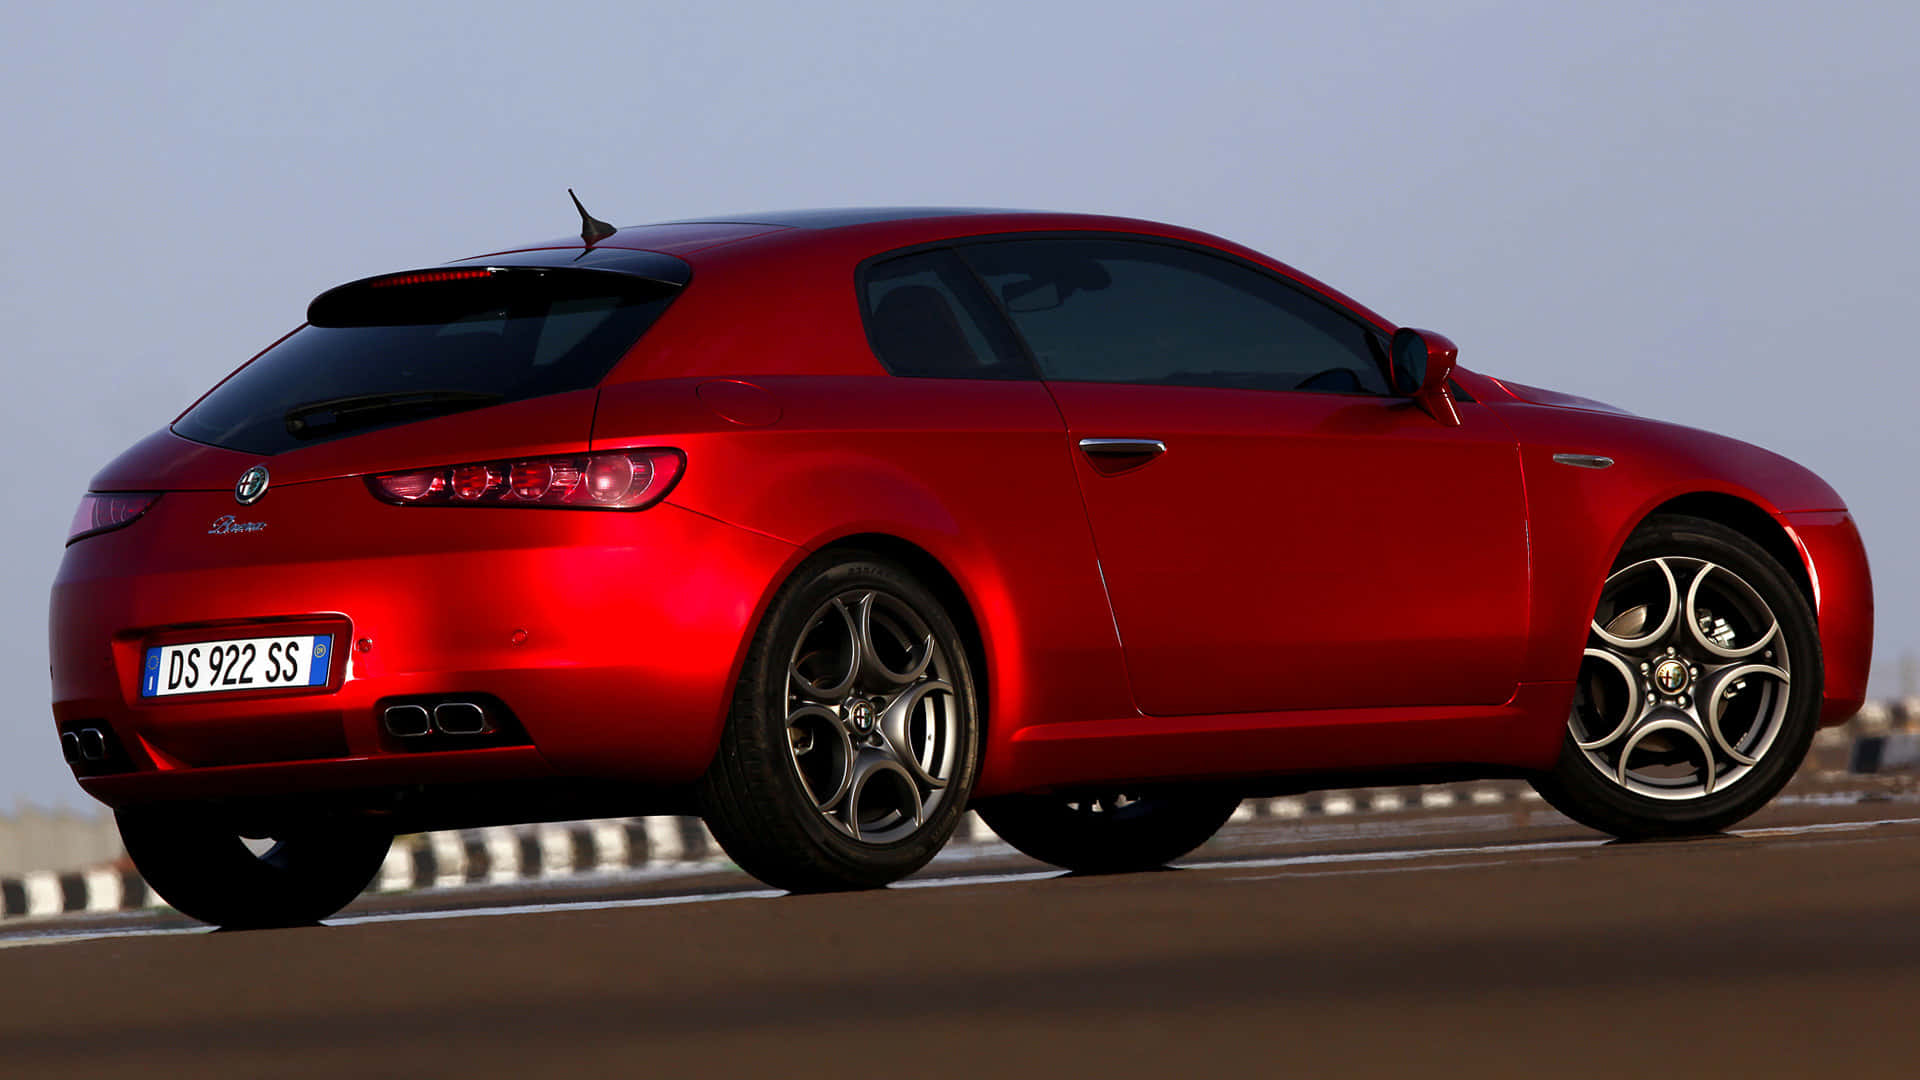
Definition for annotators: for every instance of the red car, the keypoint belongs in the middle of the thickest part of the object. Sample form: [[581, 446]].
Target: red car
[[829, 525]]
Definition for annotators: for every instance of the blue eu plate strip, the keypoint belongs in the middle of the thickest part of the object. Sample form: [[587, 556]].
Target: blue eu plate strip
[[150, 682], [322, 655]]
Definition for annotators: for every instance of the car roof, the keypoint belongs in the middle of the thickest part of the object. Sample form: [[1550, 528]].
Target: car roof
[[688, 235], [843, 216], [882, 228]]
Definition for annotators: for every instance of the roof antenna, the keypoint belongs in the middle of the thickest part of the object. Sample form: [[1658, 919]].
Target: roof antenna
[[592, 229]]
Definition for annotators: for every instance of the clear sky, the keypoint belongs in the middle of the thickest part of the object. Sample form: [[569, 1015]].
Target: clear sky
[[1703, 212]]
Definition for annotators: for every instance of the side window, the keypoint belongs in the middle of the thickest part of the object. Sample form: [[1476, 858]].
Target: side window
[[1106, 310], [927, 316]]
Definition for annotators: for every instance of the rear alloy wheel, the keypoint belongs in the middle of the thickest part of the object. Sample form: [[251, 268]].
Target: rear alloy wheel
[[208, 871], [1112, 833], [853, 740], [1699, 689]]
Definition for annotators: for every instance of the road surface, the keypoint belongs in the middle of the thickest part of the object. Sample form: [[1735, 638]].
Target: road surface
[[1506, 943]]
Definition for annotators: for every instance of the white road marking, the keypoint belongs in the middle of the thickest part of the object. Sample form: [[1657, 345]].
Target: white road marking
[[1386, 870], [552, 906], [1831, 826], [1402, 855]]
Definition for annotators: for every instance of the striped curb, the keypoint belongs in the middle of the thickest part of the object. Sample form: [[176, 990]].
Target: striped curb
[[549, 851], [43, 892], [1386, 800], [505, 854]]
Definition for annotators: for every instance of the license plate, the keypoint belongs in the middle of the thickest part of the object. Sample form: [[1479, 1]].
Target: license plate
[[211, 667]]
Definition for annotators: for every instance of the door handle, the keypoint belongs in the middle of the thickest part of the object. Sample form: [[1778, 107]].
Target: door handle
[[1119, 448], [1112, 456]]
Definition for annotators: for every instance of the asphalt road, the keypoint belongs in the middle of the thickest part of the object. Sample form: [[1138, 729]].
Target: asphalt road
[[1474, 945]]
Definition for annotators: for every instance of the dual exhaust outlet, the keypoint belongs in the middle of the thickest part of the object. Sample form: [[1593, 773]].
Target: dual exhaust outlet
[[85, 744], [446, 718]]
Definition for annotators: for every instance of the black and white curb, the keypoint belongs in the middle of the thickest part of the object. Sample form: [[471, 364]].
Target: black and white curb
[[440, 860], [1386, 800], [579, 849], [43, 892]]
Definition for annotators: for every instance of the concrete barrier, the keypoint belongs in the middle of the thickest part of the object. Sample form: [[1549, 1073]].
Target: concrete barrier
[[32, 839], [1891, 752]]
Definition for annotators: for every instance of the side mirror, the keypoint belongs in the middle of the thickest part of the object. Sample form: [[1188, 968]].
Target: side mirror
[[1422, 365]]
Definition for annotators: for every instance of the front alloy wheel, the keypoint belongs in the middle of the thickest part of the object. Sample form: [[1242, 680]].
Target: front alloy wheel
[[1685, 682], [1698, 689]]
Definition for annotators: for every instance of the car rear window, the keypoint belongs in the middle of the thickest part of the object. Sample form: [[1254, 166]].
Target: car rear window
[[409, 346]]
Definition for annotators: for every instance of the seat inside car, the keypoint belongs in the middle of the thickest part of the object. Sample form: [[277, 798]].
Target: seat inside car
[[916, 324]]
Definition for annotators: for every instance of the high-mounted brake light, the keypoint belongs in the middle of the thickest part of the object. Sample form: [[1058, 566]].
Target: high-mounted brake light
[[428, 277], [104, 511], [613, 480]]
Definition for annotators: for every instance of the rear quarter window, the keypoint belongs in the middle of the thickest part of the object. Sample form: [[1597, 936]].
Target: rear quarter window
[[928, 316]]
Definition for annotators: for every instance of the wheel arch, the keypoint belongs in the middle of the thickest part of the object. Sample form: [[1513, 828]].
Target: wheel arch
[[1749, 520], [931, 572]]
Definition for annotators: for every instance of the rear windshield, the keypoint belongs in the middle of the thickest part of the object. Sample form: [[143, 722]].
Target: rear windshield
[[399, 349]]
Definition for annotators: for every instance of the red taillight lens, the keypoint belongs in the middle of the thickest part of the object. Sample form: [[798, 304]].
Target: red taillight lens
[[103, 511], [470, 482], [410, 486], [530, 479], [618, 480]]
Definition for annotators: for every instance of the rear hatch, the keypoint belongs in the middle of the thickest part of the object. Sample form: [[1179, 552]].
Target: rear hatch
[[491, 358]]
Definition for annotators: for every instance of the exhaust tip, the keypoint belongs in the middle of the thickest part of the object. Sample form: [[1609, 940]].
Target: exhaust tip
[[70, 746], [407, 721], [460, 718], [92, 743]]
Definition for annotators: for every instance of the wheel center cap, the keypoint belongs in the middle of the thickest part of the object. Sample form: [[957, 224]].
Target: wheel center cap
[[860, 715], [1670, 676]]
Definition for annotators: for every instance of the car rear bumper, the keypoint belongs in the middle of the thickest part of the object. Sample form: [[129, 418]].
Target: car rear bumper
[[611, 640], [1843, 601]]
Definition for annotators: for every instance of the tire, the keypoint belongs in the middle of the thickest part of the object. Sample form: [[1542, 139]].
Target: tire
[[1109, 834], [206, 871], [1678, 731], [854, 736]]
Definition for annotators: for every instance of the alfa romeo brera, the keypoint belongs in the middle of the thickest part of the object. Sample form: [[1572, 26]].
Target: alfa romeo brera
[[829, 525]]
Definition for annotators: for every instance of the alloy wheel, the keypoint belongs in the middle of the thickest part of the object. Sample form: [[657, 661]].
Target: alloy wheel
[[1685, 683], [873, 725]]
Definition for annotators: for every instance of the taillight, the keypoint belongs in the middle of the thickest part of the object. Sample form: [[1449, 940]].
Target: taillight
[[104, 511], [615, 480]]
